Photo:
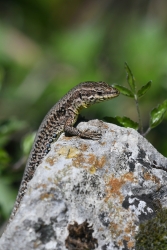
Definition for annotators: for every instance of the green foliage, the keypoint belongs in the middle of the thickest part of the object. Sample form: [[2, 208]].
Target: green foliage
[[122, 121], [130, 78], [7, 176], [156, 115], [144, 89], [7, 196], [8, 129], [152, 233], [123, 90]]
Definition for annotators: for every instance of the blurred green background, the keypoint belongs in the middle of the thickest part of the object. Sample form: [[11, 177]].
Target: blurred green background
[[48, 47]]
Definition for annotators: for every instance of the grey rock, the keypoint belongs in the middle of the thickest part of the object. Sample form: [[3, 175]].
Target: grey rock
[[90, 194]]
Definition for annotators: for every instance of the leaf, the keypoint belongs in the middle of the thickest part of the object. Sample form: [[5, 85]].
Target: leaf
[[124, 90], [122, 121], [111, 120], [130, 78], [157, 114], [144, 89]]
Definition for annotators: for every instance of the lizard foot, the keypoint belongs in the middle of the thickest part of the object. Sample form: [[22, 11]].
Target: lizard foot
[[93, 135]]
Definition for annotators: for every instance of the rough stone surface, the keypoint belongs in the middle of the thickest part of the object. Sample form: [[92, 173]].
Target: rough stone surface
[[91, 194]]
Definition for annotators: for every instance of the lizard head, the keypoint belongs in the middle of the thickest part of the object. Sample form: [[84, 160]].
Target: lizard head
[[95, 92]]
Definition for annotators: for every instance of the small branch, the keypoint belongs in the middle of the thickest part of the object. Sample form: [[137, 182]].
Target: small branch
[[139, 116], [147, 131]]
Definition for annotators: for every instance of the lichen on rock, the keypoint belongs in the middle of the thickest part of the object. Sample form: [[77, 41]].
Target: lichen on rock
[[116, 185]]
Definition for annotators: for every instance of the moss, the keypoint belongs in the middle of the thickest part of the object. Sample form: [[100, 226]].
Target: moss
[[153, 233]]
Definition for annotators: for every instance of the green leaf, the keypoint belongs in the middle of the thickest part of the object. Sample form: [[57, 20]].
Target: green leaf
[[122, 121], [130, 78], [144, 89], [111, 120], [124, 90], [157, 114]]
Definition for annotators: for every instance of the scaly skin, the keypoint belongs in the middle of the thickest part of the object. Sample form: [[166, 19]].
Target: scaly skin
[[61, 118]]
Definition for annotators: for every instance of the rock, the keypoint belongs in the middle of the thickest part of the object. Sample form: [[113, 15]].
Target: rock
[[92, 194]]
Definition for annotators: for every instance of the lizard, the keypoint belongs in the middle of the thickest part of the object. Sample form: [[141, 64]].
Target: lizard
[[61, 118]]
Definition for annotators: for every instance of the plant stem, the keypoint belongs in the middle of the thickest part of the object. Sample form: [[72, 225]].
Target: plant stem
[[139, 115], [147, 131]]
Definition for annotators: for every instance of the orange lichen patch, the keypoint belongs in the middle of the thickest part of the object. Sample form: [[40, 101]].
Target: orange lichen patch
[[97, 162], [113, 227], [51, 160], [101, 162], [129, 177], [79, 160], [117, 231], [105, 125], [44, 186], [131, 244], [114, 185], [113, 188], [147, 176], [122, 225], [84, 147], [120, 243], [46, 196], [89, 161], [130, 229], [127, 238]]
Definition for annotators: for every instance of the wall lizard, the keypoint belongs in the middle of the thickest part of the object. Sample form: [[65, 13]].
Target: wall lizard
[[61, 118]]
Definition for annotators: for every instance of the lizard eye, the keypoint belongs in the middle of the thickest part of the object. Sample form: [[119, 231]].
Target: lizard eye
[[99, 93]]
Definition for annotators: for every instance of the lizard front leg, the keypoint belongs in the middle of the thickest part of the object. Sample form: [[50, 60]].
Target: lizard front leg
[[87, 134]]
